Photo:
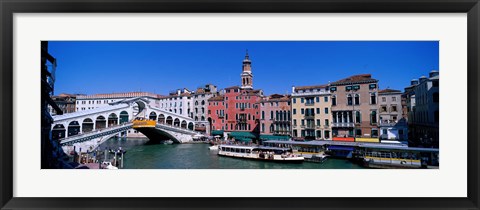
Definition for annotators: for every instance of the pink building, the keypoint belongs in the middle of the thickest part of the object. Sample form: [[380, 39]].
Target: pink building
[[275, 116]]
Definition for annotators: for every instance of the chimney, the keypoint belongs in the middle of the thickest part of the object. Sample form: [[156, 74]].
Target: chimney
[[423, 79], [433, 73], [414, 82]]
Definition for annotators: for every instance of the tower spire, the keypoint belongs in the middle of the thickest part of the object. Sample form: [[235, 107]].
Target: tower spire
[[247, 75]]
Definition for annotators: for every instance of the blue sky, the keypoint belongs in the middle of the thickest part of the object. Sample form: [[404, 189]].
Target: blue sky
[[91, 67]]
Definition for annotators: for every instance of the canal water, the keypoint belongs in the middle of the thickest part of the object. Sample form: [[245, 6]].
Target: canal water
[[142, 155]]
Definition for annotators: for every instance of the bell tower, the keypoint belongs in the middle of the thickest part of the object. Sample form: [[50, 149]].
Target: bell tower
[[247, 76]]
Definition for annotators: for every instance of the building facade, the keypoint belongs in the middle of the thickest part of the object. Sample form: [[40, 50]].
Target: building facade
[[275, 115], [393, 126], [179, 101], [239, 111], [424, 123], [311, 112], [355, 109], [66, 102]]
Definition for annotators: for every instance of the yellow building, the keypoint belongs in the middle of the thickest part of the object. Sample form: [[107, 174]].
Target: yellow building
[[311, 112]]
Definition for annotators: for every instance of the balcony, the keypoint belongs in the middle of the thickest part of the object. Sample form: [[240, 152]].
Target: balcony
[[309, 117], [343, 125], [310, 127], [280, 121], [309, 104], [241, 120]]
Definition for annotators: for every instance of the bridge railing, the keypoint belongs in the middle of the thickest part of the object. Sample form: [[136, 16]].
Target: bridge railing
[[124, 126], [175, 128]]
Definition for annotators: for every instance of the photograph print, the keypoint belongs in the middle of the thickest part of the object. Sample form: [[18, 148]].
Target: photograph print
[[240, 105]]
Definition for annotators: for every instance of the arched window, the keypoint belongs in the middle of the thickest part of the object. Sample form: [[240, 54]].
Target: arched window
[[334, 100], [357, 99], [349, 99], [373, 118], [203, 102]]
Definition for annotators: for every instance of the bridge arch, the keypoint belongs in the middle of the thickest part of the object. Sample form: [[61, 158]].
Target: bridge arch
[[112, 119], [183, 124], [100, 122], [58, 132], [87, 125], [73, 128], [169, 120], [161, 119], [176, 122], [124, 117], [153, 115], [190, 126]]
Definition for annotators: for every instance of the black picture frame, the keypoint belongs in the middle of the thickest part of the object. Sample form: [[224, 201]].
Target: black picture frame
[[10, 7]]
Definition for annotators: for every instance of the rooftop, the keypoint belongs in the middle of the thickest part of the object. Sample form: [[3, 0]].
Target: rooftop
[[310, 87], [355, 79]]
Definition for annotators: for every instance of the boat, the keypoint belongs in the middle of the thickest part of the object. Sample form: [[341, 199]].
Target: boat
[[168, 142], [214, 147], [274, 154], [108, 165]]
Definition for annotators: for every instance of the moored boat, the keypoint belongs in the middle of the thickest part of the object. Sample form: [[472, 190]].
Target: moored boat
[[274, 154]]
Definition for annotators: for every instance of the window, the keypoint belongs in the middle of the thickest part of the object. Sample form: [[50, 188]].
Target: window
[[319, 134], [295, 122], [383, 109], [394, 98], [294, 111], [384, 99], [374, 133], [358, 118], [263, 127], [334, 100], [357, 99], [333, 89], [326, 122], [318, 110], [373, 117], [302, 111], [358, 132], [373, 98], [327, 134], [326, 110], [325, 99], [294, 100], [372, 86], [318, 99], [349, 100], [303, 122], [301, 100], [394, 108], [318, 122], [263, 115]]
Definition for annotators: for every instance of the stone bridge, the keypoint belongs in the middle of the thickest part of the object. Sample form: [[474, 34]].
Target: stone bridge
[[88, 129]]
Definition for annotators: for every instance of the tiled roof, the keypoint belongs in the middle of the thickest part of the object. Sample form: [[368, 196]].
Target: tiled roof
[[119, 95], [389, 91], [310, 87], [276, 97], [216, 98], [233, 87], [355, 79]]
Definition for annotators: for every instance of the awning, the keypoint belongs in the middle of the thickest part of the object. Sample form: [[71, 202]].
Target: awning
[[273, 137], [242, 135], [341, 148], [217, 132]]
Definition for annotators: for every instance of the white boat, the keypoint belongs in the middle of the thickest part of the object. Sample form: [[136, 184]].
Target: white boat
[[214, 147], [108, 165], [274, 154]]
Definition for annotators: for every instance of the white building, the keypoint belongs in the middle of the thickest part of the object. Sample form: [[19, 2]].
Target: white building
[[179, 102], [392, 126]]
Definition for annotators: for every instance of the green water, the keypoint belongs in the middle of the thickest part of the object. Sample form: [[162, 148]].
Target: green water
[[142, 155]]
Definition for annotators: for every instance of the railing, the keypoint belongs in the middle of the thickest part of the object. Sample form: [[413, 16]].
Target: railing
[[309, 104], [309, 116], [337, 124], [94, 134]]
